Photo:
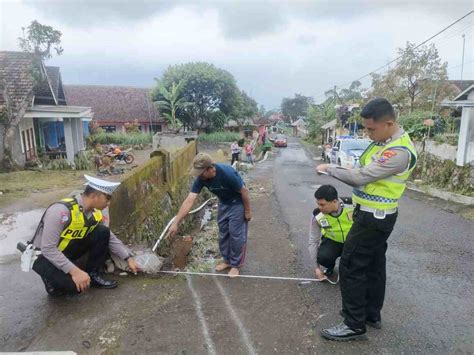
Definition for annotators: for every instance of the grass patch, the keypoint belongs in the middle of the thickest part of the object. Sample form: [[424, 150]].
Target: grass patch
[[218, 137], [119, 138], [23, 182]]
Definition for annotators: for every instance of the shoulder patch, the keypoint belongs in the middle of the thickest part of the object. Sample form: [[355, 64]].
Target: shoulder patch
[[386, 156], [389, 153], [64, 217]]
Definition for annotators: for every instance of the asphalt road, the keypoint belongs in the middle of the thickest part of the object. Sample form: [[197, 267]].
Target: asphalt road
[[429, 307]]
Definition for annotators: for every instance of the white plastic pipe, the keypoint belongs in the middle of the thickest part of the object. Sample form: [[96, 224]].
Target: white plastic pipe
[[172, 220]]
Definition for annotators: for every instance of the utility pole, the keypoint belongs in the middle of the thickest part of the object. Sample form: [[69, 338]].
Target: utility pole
[[463, 46]]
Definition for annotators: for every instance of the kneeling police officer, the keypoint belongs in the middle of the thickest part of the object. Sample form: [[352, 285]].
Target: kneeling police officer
[[69, 229]]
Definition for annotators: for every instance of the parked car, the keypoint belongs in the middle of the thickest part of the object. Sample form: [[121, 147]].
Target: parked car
[[347, 151], [280, 141]]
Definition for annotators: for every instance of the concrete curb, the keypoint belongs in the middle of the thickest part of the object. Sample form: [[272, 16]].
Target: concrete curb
[[445, 195]]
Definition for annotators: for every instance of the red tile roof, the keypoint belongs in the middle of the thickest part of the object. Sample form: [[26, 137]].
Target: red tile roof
[[114, 103]]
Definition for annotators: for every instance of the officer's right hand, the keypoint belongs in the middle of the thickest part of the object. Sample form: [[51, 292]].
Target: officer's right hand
[[81, 279]]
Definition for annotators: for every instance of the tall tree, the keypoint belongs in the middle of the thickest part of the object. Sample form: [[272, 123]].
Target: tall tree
[[320, 114], [208, 88], [294, 108], [417, 81], [39, 40], [245, 108], [171, 102]]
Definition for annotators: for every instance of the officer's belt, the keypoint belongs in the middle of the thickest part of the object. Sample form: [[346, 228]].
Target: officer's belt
[[374, 210]]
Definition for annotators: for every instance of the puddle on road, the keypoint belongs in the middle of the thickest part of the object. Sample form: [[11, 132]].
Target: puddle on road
[[15, 227]]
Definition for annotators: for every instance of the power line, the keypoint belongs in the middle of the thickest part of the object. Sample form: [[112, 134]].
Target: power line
[[401, 56]]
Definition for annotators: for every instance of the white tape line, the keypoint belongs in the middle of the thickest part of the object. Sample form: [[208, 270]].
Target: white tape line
[[202, 320], [243, 333], [250, 276]]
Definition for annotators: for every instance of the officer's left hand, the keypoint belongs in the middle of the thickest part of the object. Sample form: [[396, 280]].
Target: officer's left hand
[[132, 264], [322, 167]]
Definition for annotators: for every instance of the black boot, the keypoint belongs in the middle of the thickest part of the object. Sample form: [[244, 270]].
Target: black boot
[[98, 282], [342, 332]]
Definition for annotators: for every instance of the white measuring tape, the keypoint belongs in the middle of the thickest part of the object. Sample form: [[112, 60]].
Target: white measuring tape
[[301, 279]]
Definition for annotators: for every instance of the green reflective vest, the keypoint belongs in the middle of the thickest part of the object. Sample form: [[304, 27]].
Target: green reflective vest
[[335, 228], [384, 194], [78, 227]]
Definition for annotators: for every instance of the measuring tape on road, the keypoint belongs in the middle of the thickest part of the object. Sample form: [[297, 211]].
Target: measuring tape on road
[[301, 279]]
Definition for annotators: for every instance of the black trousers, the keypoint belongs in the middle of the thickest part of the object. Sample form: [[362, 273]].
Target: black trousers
[[362, 268], [328, 252], [235, 157], [96, 243]]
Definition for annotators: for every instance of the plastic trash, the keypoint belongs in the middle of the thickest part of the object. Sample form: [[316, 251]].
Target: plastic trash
[[206, 217], [149, 262]]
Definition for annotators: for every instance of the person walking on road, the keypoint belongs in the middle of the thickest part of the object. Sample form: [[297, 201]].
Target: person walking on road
[[331, 222], [233, 212], [377, 188]]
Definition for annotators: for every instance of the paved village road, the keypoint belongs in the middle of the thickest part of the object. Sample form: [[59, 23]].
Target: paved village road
[[428, 306], [428, 309]]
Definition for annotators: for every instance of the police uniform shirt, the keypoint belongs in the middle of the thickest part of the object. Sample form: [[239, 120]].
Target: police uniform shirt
[[315, 234], [387, 165], [55, 219]]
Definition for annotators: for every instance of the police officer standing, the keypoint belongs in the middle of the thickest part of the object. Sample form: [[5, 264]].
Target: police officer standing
[[378, 185]]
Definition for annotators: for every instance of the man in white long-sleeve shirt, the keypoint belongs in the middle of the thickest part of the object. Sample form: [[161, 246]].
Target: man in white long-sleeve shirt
[[69, 229], [331, 222]]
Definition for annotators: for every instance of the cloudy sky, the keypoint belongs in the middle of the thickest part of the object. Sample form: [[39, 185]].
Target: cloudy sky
[[273, 48]]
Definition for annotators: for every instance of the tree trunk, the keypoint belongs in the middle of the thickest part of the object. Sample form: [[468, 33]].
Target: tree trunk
[[8, 162]]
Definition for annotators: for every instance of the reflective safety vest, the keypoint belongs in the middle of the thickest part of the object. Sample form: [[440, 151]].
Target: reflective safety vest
[[384, 194], [335, 228], [78, 227]]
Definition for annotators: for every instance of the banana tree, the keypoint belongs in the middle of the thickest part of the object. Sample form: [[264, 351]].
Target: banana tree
[[171, 102]]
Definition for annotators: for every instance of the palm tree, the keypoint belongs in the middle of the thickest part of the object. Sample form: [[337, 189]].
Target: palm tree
[[172, 102]]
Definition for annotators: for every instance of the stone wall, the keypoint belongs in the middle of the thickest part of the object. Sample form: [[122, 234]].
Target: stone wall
[[440, 150], [150, 196], [444, 174]]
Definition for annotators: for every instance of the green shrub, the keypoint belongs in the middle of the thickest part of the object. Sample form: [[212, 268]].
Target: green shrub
[[218, 137], [119, 138]]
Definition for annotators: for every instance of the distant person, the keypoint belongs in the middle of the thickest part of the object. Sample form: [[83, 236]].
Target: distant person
[[235, 150], [249, 152]]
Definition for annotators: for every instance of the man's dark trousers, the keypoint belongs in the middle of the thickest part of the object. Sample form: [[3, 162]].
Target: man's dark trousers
[[362, 268], [96, 243], [328, 252]]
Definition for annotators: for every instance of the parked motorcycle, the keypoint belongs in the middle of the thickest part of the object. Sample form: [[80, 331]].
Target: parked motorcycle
[[118, 155]]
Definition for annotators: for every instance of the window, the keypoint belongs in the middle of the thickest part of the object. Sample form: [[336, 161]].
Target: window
[[156, 128], [109, 129]]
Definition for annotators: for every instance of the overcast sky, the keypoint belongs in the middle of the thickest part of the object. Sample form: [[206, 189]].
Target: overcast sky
[[273, 48]]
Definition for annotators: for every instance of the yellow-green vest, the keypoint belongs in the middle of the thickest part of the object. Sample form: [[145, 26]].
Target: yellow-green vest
[[384, 194], [78, 227], [336, 228]]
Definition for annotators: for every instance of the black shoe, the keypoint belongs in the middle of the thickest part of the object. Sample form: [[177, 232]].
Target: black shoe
[[98, 282], [51, 290], [328, 272], [377, 324], [342, 332]]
